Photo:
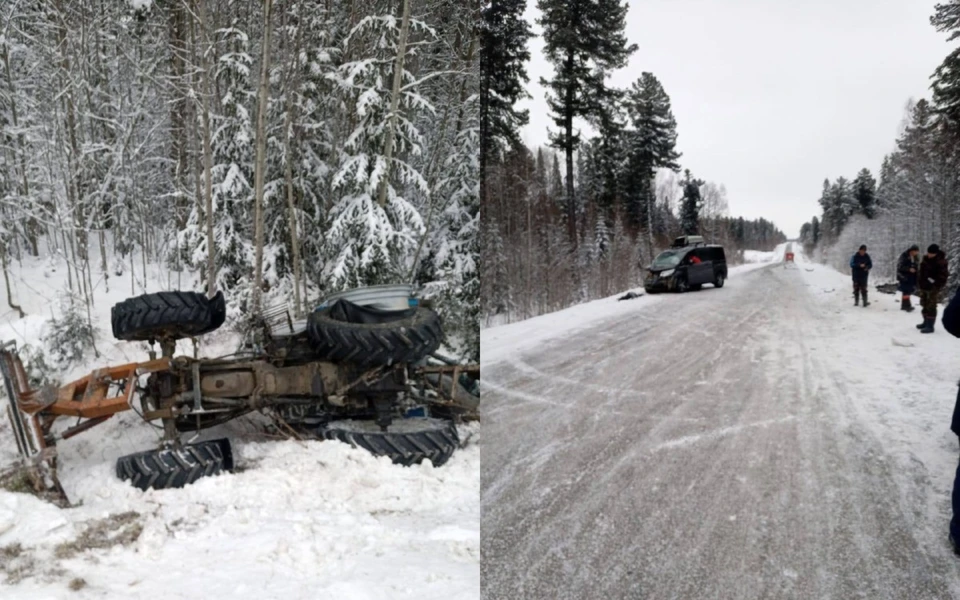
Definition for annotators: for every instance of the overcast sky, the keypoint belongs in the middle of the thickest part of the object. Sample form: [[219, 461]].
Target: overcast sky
[[772, 96]]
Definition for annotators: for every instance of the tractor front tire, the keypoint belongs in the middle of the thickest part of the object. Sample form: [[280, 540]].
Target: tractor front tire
[[407, 441], [172, 315], [175, 468]]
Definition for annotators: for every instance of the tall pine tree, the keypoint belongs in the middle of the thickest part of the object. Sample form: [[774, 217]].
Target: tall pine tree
[[865, 193], [946, 79], [584, 40], [503, 75], [690, 204], [650, 145]]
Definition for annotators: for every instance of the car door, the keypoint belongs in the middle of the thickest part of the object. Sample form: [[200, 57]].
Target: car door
[[698, 274]]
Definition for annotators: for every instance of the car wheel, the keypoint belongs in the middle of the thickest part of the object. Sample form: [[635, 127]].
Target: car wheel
[[682, 286], [718, 282]]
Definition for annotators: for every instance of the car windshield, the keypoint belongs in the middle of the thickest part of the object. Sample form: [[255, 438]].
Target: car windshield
[[667, 260]]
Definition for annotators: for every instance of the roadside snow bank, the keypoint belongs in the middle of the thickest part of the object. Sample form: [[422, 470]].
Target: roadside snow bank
[[505, 341], [756, 256]]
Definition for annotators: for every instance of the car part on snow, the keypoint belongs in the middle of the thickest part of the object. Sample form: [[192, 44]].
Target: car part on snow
[[175, 467], [349, 333], [281, 373], [719, 281], [629, 296], [407, 442], [167, 316]]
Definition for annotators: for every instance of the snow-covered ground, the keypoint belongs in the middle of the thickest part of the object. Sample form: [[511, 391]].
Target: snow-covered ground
[[766, 440], [297, 519], [756, 256]]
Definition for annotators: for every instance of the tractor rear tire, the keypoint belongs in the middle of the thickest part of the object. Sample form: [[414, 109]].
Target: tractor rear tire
[[171, 315], [407, 441], [175, 468], [404, 340]]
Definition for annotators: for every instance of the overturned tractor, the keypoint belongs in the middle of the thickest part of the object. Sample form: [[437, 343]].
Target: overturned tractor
[[361, 369]]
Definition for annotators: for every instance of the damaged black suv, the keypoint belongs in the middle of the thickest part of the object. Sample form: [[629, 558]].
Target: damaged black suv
[[687, 265]]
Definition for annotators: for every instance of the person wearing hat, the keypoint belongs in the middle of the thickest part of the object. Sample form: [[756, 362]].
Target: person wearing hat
[[860, 265], [931, 279], [907, 276]]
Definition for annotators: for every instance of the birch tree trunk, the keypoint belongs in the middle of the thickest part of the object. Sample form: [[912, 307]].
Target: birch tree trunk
[[395, 101], [260, 165], [291, 209], [207, 154]]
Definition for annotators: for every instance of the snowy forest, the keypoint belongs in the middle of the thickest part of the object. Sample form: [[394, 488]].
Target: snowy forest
[[917, 197], [277, 150], [578, 220]]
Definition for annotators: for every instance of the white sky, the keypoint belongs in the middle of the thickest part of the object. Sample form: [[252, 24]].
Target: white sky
[[772, 96]]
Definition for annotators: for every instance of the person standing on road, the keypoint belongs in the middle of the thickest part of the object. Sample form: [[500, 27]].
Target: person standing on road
[[860, 265], [907, 276], [932, 277], [951, 322]]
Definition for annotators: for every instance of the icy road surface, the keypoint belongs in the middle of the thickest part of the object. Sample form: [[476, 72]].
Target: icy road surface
[[764, 440]]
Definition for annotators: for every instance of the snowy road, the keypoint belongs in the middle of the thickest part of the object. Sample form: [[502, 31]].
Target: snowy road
[[764, 440]]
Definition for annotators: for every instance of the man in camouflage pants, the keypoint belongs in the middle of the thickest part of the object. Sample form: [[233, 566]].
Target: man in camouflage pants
[[931, 279], [860, 265]]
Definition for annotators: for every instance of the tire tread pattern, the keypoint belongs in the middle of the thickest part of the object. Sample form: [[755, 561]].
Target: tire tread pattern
[[372, 344], [403, 449], [175, 468], [180, 314]]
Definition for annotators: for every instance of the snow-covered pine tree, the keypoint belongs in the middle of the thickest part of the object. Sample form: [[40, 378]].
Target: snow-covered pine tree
[[368, 243], [865, 192]]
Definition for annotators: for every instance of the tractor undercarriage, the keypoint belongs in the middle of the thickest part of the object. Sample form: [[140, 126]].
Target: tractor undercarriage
[[189, 394]]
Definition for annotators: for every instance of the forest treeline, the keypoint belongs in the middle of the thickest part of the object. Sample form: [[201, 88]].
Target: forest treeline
[[917, 197], [284, 149], [579, 219]]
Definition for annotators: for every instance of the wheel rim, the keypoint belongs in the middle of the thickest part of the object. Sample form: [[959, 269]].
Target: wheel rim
[[720, 280], [682, 285]]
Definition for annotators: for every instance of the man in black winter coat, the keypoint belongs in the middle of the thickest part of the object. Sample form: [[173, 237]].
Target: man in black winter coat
[[907, 276], [951, 322], [860, 265], [931, 279]]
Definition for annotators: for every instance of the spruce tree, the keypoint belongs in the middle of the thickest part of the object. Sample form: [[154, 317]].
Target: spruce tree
[[585, 41], [690, 204], [607, 151], [650, 145], [946, 79], [865, 193], [503, 75]]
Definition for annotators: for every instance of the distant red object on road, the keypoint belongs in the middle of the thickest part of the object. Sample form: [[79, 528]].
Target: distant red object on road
[[789, 257]]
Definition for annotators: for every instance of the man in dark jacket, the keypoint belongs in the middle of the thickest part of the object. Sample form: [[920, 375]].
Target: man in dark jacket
[[931, 279], [860, 265], [951, 322], [907, 276]]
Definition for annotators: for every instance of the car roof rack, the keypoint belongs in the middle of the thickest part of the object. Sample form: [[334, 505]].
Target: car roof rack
[[688, 240]]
